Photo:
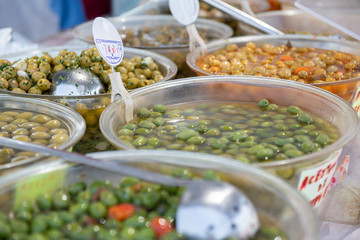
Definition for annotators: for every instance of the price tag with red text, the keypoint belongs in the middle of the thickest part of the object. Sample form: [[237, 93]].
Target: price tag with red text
[[356, 102], [315, 182]]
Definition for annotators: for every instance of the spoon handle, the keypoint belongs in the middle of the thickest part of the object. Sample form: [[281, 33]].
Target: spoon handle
[[118, 88], [196, 43], [243, 17], [105, 165]]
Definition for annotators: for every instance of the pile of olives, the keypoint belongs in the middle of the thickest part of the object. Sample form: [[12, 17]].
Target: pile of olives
[[248, 132], [33, 75], [30, 127]]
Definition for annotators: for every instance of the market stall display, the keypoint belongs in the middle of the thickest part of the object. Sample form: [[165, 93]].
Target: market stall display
[[270, 111], [94, 187]]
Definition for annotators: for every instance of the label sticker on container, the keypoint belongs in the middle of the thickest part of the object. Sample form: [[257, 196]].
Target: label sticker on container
[[356, 102], [341, 171], [315, 182], [44, 183]]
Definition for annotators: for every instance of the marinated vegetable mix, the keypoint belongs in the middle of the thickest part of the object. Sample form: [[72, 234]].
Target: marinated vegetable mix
[[245, 131], [30, 127], [132, 210], [35, 73], [302, 64]]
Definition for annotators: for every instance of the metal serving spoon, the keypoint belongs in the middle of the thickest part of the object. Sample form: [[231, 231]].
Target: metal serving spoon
[[208, 210], [67, 82], [75, 82]]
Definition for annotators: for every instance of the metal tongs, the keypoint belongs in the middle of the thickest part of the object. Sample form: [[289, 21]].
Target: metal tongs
[[244, 17]]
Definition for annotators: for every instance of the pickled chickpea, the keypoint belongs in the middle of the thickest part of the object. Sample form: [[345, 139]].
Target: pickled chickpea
[[303, 74], [285, 73], [294, 63]]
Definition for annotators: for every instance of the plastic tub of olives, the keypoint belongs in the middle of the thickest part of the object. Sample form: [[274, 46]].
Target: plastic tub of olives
[[159, 33], [282, 210], [347, 88], [206, 97], [37, 121], [90, 106]]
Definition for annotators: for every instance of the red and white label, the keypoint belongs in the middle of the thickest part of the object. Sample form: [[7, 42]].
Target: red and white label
[[356, 102], [315, 182]]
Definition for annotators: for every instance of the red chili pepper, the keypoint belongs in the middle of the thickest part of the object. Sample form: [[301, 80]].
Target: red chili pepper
[[161, 226], [286, 58], [302, 68], [121, 211]]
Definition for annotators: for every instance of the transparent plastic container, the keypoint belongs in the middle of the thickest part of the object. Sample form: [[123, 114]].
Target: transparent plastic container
[[177, 53], [71, 120], [249, 89], [90, 106], [342, 15], [271, 196], [347, 89], [294, 21]]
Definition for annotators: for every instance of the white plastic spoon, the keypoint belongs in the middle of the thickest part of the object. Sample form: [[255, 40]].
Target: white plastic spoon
[[110, 46], [186, 12]]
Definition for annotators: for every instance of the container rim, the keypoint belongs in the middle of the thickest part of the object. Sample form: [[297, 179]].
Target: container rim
[[297, 202], [349, 113], [72, 117], [221, 29], [170, 66], [191, 57]]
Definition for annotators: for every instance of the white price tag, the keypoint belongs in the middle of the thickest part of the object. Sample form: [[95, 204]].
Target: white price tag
[[112, 51], [356, 102], [315, 182]]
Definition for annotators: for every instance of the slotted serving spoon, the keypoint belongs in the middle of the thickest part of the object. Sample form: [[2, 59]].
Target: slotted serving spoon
[[208, 210], [76, 82]]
